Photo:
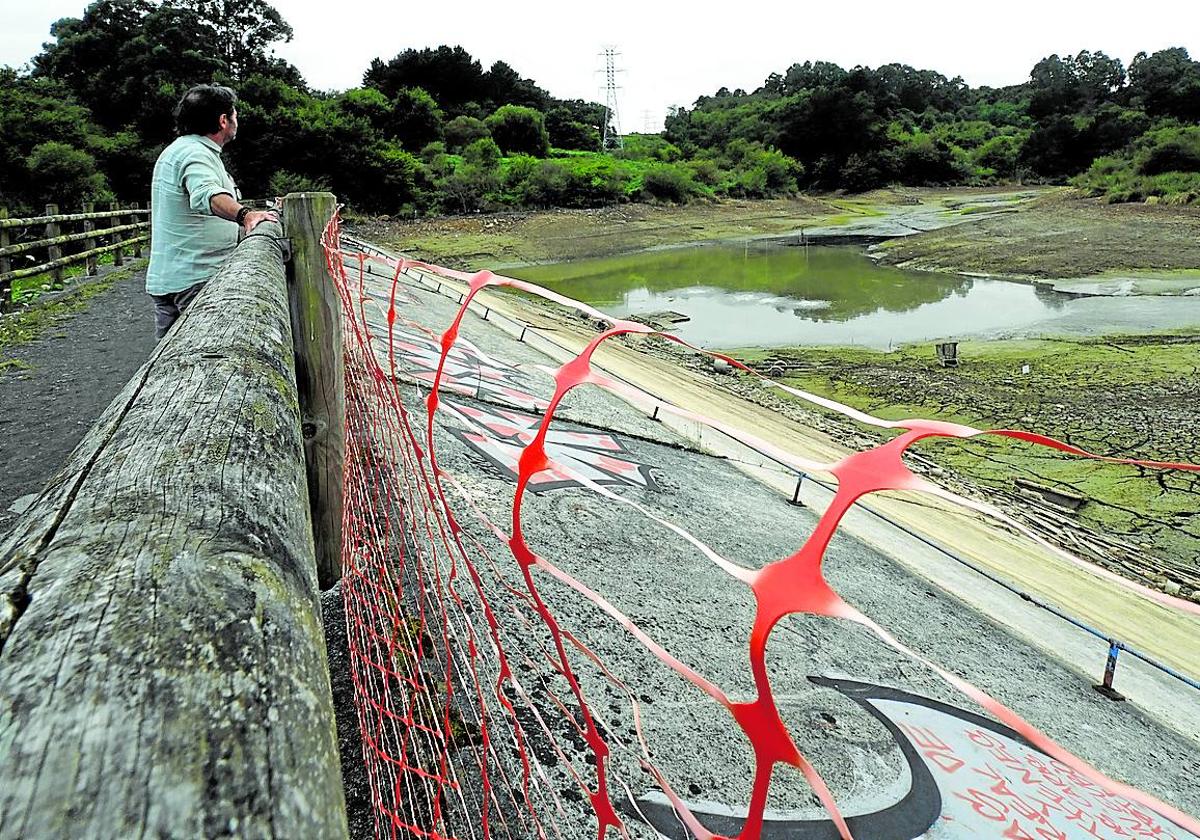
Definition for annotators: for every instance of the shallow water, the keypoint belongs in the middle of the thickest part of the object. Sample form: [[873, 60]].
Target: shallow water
[[763, 294]]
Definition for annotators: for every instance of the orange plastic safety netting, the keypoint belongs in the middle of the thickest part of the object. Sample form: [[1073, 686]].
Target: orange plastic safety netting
[[475, 719]]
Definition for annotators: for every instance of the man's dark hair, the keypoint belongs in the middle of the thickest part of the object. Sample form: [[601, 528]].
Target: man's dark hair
[[200, 110]]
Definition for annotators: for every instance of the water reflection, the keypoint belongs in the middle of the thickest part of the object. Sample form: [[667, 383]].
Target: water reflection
[[765, 294]]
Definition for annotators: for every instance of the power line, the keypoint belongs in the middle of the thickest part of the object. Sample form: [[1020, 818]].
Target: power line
[[611, 135]]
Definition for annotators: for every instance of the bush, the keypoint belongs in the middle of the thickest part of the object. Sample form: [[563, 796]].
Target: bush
[[519, 130], [584, 180], [1168, 150], [462, 131], [483, 152], [469, 188], [62, 174], [284, 182], [668, 182], [1162, 167]]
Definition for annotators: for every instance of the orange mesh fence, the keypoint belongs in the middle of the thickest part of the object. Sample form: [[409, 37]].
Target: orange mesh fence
[[475, 718]]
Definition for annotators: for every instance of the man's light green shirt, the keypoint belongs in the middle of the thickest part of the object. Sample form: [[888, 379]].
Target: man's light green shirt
[[188, 243]]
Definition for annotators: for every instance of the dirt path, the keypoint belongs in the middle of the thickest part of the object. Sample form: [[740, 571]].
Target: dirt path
[[53, 387]]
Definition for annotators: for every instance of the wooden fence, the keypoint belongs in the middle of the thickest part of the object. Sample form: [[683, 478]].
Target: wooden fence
[[100, 232], [162, 661]]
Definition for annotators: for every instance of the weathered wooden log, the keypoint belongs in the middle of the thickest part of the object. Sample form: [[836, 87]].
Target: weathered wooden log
[[68, 260], [317, 330], [66, 238], [65, 217], [162, 663], [118, 253]]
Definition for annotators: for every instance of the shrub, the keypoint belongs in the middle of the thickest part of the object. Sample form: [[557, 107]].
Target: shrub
[[668, 182], [284, 182], [462, 131], [483, 152], [519, 130]]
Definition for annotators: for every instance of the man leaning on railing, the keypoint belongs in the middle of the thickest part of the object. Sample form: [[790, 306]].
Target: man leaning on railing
[[193, 200]]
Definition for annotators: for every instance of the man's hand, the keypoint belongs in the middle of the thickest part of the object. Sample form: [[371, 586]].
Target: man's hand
[[256, 217], [224, 206]]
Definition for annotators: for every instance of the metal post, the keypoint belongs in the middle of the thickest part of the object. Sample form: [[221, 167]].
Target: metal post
[[54, 252], [795, 500], [1110, 671], [89, 244], [317, 338]]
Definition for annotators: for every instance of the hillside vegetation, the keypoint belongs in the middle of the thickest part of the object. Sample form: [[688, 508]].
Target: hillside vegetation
[[430, 131]]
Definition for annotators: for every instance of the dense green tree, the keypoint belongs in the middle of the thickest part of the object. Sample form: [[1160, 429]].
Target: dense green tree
[[519, 130], [1166, 84], [483, 152], [245, 31], [58, 172], [449, 74], [462, 131], [415, 120]]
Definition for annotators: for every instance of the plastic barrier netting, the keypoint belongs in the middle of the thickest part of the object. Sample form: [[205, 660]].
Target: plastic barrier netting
[[472, 690]]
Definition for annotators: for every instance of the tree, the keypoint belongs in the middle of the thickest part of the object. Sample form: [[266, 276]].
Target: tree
[[462, 131], [65, 175], [568, 133], [519, 130], [449, 74], [1166, 84], [416, 119], [504, 85], [1054, 88], [245, 31], [34, 111]]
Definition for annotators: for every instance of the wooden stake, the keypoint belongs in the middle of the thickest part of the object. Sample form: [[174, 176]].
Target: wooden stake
[[54, 251], [119, 253], [89, 244], [5, 266], [317, 336], [137, 246]]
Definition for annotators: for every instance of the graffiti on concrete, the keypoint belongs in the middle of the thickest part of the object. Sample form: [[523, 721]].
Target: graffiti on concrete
[[500, 436], [970, 777], [468, 370]]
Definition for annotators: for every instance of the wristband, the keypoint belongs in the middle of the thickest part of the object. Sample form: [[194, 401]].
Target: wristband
[[241, 215]]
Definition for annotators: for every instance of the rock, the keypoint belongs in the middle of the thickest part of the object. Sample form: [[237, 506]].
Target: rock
[[1172, 588]]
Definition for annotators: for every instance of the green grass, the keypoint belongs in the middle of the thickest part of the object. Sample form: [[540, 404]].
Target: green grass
[[28, 289], [26, 325]]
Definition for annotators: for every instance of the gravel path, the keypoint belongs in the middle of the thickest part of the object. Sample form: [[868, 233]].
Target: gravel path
[[75, 368]]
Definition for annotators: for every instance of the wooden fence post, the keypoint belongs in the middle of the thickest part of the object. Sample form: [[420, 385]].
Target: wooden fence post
[[119, 253], [5, 267], [137, 245], [89, 244], [317, 336], [54, 252]]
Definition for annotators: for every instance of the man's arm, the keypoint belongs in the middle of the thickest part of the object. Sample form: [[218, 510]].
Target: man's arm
[[227, 207]]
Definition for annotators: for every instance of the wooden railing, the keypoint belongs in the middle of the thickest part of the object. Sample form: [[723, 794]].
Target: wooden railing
[[162, 661], [99, 232]]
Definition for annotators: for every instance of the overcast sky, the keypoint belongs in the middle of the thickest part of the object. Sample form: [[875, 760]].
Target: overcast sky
[[672, 52]]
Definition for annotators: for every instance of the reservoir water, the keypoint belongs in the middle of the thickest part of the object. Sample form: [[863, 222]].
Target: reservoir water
[[764, 294]]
